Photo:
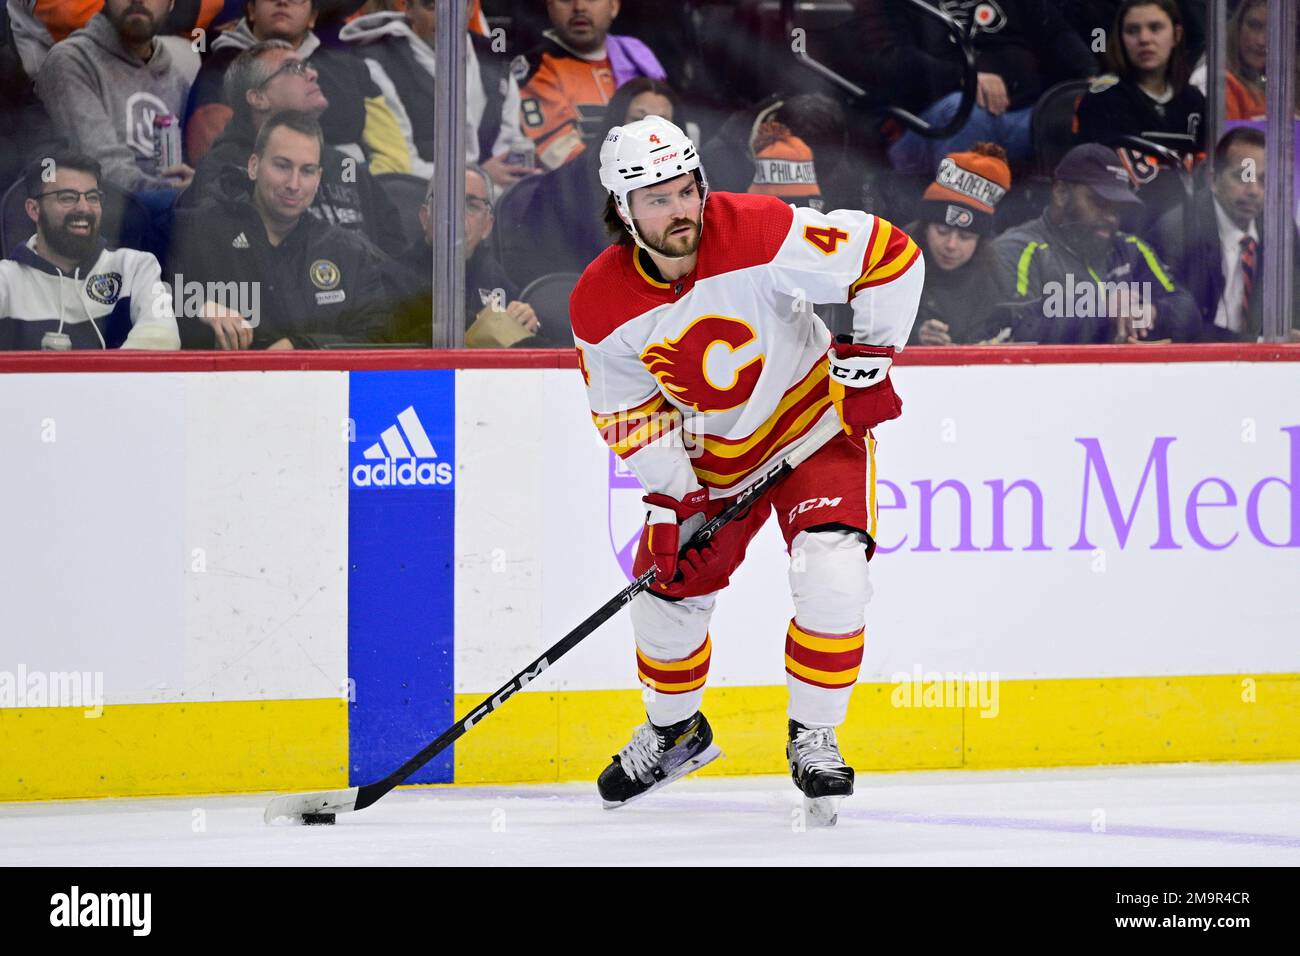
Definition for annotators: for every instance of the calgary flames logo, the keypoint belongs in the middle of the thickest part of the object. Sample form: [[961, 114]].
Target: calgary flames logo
[[682, 365]]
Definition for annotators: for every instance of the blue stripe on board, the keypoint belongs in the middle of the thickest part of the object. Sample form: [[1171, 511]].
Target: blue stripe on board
[[400, 572]]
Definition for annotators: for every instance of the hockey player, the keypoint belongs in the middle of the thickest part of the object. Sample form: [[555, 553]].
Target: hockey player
[[704, 362]]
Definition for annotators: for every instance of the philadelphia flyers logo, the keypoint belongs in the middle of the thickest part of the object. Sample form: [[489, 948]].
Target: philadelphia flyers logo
[[701, 368], [654, 137]]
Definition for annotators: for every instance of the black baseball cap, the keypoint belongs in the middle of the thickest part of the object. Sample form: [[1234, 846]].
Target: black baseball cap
[[1100, 169]]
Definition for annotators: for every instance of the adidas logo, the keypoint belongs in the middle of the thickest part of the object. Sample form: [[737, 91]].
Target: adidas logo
[[241, 242], [404, 458]]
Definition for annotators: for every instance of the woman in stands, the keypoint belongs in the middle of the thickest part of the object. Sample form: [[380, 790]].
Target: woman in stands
[[1149, 95], [955, 224]]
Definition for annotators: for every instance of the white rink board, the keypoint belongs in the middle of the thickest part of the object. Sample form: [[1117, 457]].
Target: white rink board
[[184, 534], [1079, 608]]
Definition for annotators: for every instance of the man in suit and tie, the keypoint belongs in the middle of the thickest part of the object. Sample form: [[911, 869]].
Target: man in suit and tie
[[1215, 249]]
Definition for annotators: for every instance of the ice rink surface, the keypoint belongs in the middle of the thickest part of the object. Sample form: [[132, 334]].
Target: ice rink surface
[[1188, 815]]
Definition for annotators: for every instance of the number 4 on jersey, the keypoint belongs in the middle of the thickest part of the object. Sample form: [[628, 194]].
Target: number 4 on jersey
[[825, 238]]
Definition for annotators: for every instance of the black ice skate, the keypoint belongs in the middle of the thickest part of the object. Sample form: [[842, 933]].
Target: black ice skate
[[657, 756], [819, 771]]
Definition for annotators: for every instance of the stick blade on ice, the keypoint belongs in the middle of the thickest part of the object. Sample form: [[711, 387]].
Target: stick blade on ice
[[291, 805]]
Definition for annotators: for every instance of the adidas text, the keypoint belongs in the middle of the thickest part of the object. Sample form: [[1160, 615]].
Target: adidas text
[[405, 474]]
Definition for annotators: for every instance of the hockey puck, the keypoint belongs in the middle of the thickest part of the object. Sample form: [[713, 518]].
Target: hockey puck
[[317, 819]]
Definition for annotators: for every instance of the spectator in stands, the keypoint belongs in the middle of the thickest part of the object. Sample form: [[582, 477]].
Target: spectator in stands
[[954, 231], [266, 79], [358, 120], [494, 316], [63, 289], [784, 167], [39, 24], [567, 80], [1247, 46], [1093, 19], [556, 222], [1071, 276], [1216, 253], [398, 49], [1148, 95], [103, 86], [1021, 47], [21, 114], [307, 283]]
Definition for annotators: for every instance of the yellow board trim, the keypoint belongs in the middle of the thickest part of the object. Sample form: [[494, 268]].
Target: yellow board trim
[[139, 750], [542, 737]]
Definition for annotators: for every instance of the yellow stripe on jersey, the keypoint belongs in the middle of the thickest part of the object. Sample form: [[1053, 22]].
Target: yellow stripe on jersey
[[724, 449], [800, 426], [651, 405]]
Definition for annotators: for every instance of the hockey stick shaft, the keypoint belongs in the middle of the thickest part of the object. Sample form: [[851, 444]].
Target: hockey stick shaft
[[365, 795]]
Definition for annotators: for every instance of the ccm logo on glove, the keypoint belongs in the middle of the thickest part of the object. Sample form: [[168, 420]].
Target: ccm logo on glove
[[860, 386]]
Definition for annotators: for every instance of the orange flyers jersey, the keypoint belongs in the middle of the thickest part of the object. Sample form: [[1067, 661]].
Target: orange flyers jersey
[[702, 381], [562, 99]]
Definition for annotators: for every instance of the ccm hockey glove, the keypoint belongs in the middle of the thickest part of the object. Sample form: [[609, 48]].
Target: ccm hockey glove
[[669, 524], [860, 386]]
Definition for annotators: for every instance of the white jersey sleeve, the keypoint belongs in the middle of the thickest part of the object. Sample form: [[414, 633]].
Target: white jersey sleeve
[[851, 256]]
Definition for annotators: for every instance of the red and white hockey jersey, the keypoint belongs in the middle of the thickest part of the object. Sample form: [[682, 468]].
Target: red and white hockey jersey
[[701, 381]]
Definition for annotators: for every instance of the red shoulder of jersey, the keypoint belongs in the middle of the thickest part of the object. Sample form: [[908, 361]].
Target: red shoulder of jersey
[[604, 299], [741, 231]]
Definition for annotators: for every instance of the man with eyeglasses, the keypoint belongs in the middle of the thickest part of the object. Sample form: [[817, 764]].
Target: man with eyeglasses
[[105, 84], [262, 81], [494, 316], [63, 289], [358, 120]]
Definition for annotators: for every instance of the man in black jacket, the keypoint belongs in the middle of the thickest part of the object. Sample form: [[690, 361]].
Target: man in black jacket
[[1072, 277], [299, 282], [1022, 47], [266, 79], [1215, 249]]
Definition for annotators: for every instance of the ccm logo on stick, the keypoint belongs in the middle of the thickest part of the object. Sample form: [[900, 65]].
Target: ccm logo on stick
[[506, 693]]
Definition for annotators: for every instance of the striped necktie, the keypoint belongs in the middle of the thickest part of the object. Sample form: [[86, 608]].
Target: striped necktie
[[1248, 249]]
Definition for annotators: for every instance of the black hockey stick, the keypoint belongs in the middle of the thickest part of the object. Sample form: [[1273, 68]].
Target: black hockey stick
[[329, 802]]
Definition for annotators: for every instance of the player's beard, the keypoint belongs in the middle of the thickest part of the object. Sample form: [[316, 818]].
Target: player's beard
[[65, 243], [678, 247]]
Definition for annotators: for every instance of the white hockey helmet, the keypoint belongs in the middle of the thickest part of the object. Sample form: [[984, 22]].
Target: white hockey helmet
[[643, 153]]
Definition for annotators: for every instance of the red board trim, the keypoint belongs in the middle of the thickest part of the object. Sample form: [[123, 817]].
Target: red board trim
[[391, 359]]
